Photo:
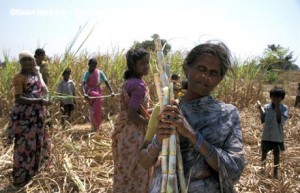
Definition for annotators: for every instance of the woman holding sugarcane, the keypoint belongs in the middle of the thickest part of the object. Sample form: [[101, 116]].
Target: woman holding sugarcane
[[209, 130], [130, 127]]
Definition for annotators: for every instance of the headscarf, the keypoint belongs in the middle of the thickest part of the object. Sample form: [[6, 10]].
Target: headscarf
[[25, 54], [28, 54]]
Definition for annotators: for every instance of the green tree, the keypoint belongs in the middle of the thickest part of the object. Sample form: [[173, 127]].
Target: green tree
[[150, 46], [278, 57]]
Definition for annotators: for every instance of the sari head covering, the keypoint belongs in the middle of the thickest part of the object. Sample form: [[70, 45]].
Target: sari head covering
[[25, 54], [28, 54]]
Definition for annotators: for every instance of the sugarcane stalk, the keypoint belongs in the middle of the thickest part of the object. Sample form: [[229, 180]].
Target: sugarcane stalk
[[169, 145], [158, 87], [164, 165], [56, 95], [165, 90], [165, 148], [172, 178], [178, 157], [163, 99], [180, 171]]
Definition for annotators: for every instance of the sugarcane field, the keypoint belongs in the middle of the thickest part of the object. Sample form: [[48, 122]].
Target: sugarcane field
[[81, 158], [152, 96]]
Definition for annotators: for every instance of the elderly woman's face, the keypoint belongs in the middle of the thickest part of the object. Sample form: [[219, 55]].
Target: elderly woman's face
[[203, 76], [27, 63]]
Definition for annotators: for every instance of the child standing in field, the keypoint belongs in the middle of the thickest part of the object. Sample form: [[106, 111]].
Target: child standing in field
[[298, 95], [67, 88], [273, 117]]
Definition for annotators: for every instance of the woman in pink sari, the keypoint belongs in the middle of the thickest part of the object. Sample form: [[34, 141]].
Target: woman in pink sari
[[91, 89]]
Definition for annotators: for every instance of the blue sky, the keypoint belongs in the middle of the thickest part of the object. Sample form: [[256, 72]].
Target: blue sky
[[247, 27]]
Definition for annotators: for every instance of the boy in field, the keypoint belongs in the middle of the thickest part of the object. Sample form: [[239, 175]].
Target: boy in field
[[40, 56], [66, 88], [273, 117]]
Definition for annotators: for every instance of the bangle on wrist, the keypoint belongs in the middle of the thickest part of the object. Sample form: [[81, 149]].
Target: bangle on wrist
[[199, 141], [210, 154], [148, 153]]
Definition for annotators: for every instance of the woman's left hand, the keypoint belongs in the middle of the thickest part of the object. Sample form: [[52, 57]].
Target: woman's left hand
[[175, 119]]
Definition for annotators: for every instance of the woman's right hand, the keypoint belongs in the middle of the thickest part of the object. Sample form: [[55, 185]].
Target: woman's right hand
[[175, 119]]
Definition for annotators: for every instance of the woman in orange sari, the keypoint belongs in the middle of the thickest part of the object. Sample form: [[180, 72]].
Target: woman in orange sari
[[130, 127], [92, 92]]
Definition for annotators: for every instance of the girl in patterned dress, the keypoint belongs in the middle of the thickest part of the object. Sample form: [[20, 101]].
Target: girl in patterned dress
[[130, 127]]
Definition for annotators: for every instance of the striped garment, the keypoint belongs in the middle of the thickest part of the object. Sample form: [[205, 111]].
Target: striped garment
[[219, 124]]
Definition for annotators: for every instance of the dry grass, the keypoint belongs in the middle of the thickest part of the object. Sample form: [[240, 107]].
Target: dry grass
[[82, 160]]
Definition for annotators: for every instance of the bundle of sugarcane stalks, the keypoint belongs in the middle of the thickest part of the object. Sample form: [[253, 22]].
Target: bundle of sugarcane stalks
[[170, 153]]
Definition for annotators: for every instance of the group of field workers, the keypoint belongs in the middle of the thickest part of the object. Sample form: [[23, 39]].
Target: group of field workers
[[209, 132], [27, 129]]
